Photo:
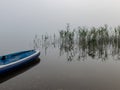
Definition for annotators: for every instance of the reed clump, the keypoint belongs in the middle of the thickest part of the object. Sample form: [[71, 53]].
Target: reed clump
[[94, 41]]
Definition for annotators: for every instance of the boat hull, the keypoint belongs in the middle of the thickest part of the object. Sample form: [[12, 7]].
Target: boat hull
[[11, 66]]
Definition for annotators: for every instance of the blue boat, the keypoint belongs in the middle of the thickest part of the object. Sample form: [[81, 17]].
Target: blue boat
[[11, 61]]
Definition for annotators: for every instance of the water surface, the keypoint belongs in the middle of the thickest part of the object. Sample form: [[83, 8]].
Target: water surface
[[68, 67]]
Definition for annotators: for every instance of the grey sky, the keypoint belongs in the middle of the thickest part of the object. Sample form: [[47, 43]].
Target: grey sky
[[51, 15]]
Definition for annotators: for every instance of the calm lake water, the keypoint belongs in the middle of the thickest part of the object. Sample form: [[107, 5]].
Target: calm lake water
[[65, 67]]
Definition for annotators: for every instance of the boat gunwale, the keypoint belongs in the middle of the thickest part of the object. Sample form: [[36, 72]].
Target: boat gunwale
[[23, 59]]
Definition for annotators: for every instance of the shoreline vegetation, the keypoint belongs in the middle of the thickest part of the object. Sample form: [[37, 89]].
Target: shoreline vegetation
[[95, 42]]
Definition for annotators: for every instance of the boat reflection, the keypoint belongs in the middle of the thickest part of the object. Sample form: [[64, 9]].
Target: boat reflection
[[21, 69]]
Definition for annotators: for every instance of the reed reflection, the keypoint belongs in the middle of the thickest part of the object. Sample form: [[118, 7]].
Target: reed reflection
[[93, 43], [97, 42], [67, 43]]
